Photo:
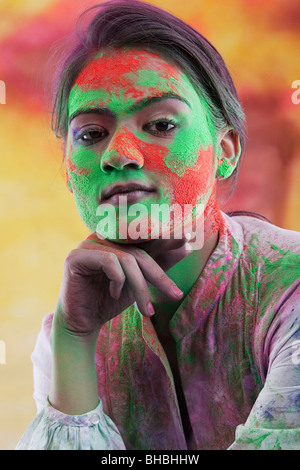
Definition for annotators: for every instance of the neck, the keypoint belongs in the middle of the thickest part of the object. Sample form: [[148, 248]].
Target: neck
[[186, 272]]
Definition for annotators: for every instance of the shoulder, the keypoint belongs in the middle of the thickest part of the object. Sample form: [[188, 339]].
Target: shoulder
[[270, 255], [275, 250], [269, 262]]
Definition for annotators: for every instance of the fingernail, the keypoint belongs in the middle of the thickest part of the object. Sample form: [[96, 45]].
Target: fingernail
[[150, 309], [177, 291]]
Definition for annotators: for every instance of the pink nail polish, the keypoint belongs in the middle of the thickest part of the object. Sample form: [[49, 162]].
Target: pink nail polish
[[150, 309], [177, 291]]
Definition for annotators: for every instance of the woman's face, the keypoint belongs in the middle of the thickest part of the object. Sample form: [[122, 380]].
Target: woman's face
[[133, 116]]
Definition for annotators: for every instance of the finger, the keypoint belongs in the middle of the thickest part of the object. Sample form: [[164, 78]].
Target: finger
[[150, 269], [154, 269], [110, 262], [117, 280], [137, 283], [154, 274], [85, 261]]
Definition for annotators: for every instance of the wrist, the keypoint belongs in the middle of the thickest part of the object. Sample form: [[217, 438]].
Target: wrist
[[73, 389], [60, 332]]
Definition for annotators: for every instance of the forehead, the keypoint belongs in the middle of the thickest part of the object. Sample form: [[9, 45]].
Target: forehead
[[123, 77], [121, 82], [119, 67]]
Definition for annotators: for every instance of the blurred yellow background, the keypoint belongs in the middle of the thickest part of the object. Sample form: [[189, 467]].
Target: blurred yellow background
[[259, 40]]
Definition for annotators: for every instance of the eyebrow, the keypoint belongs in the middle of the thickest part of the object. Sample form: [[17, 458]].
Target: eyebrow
[[134, 108]]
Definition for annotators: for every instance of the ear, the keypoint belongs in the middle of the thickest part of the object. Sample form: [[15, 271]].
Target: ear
[[228, 153]]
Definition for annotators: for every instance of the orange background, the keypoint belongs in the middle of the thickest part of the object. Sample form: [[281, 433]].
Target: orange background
[[259, 40]]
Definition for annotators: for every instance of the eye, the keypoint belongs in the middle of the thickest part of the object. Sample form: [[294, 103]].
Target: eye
[[90, 136], [160, 127]]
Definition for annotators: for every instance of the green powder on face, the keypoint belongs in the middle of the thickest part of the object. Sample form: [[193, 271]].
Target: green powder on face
[[149, 78], [92, 98], [85, 159], [189, 153], [184, 152], [200, 134]]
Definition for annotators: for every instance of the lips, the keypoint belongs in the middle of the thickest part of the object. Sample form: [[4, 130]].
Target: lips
[[126, 188]]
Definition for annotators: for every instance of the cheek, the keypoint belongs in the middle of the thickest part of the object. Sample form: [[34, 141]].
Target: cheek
[[195, 181], [77, 174]]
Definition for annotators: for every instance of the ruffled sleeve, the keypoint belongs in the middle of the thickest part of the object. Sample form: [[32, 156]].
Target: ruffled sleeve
[[53, 430]]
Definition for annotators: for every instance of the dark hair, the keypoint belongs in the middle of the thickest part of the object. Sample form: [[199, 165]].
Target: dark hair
[[120, 23]]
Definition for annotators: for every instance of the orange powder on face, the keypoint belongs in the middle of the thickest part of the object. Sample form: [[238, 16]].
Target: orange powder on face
[[128, 74], [188, 187], [113, 73]]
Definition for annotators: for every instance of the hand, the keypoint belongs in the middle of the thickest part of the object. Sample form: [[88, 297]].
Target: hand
[[102, 278]]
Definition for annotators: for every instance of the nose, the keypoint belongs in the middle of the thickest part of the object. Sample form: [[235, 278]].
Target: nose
[[122, 150]]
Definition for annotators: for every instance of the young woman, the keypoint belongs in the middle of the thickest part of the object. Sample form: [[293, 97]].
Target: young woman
[[159, 342]]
